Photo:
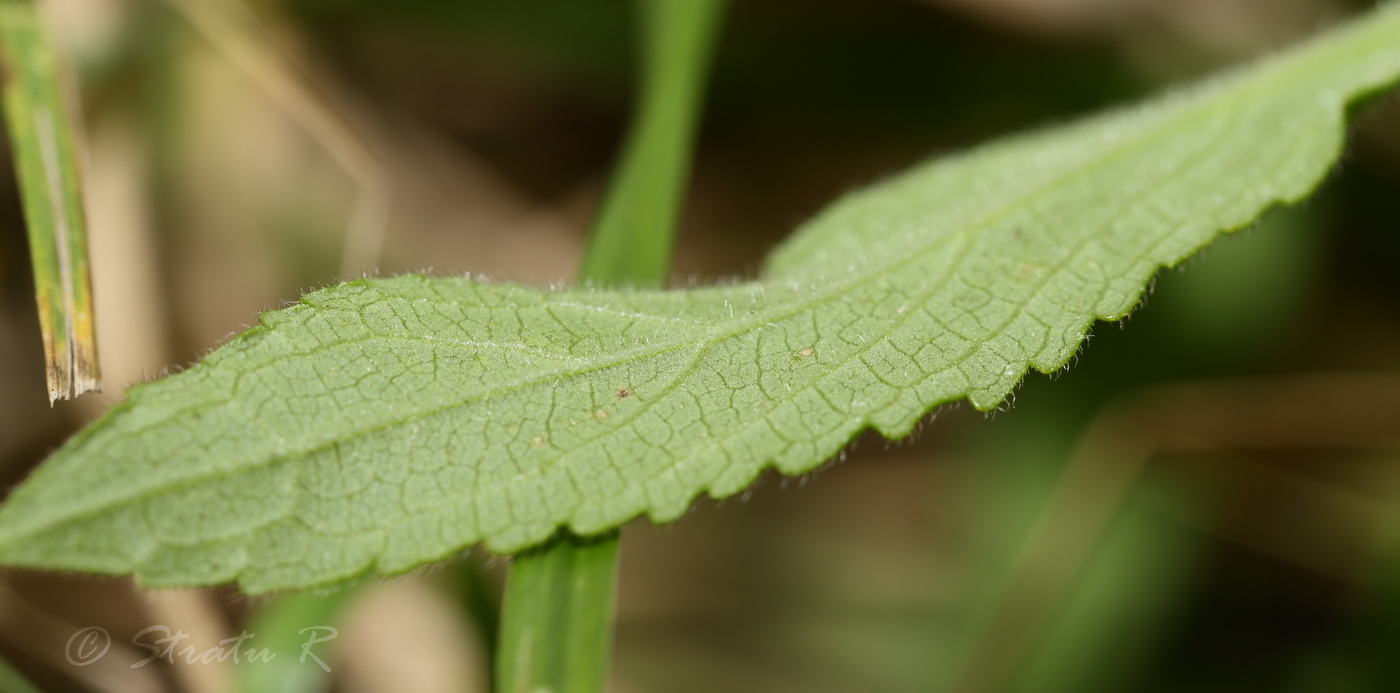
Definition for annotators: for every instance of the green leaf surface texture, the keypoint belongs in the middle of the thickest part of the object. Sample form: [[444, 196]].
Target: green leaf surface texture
[[386, 423]]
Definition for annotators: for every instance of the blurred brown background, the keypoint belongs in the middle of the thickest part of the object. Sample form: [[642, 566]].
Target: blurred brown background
[[1220, 518]]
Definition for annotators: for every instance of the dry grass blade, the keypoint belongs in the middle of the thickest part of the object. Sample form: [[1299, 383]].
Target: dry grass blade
[[234, 31], [45, 146]]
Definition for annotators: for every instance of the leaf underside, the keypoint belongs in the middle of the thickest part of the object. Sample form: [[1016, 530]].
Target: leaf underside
[[387, 423]]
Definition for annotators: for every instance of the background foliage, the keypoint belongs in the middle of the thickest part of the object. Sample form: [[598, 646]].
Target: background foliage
[[1237, 562]]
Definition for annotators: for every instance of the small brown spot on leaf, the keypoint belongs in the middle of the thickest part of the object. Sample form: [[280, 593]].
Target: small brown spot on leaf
[[622, 393]]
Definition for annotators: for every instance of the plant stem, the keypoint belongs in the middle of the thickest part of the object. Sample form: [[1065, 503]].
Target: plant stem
[[634, 231], [556, 633], [556, 627]]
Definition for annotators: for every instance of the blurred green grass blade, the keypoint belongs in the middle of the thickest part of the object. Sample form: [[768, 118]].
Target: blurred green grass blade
[[1121, 604], [11, 681], [557, 616], [283, 626], [556, 634], [1378, 618], [45, 144], [634, 231], [479, 597]]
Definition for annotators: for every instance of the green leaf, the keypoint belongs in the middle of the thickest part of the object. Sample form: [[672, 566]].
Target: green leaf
[[387, 423]]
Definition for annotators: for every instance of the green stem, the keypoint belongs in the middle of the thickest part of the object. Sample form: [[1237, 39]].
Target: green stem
[[634, 231], [556, 627], [556, 630]]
